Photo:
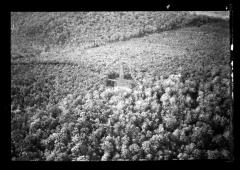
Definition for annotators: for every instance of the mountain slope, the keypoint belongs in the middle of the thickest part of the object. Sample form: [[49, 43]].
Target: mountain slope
[[62, 108], [35, 32]]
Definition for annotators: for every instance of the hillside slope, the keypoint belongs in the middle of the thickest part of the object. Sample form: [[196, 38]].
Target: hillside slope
[[35, 32], [62, 109]]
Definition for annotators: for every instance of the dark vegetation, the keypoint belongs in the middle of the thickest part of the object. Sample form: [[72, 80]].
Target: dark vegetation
[[64, 111]]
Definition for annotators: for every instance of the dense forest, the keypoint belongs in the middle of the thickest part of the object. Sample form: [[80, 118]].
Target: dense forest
[[62, 108]]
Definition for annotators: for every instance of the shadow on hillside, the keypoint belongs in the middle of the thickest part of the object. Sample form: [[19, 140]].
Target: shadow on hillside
[[201, 20]]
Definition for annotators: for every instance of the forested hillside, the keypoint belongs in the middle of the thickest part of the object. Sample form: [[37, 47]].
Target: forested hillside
[[62, 108], [34, 32]]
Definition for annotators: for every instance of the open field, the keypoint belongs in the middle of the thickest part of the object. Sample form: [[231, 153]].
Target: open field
[[180, 107]]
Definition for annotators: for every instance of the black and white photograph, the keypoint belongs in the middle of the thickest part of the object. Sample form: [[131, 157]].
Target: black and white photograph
[[121, 85]]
